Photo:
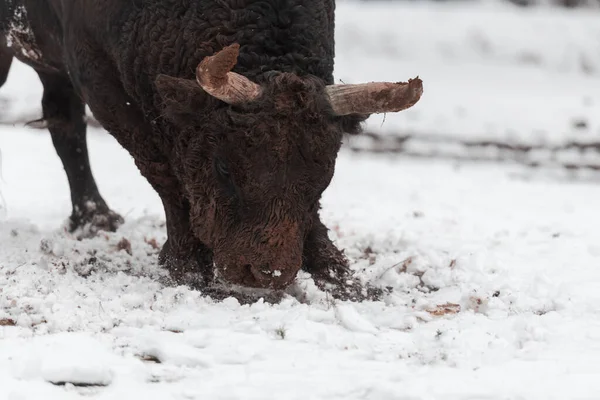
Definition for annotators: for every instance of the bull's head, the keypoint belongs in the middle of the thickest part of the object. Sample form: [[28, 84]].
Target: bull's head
[[254, 158]]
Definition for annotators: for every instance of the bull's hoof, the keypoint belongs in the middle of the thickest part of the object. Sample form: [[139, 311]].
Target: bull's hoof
[[88, 224]]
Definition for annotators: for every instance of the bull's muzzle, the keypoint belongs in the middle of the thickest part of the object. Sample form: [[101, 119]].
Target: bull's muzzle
[[273, 263]]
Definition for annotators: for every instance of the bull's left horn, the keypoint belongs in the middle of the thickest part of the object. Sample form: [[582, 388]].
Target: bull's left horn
[[214, 75], [375, 97]]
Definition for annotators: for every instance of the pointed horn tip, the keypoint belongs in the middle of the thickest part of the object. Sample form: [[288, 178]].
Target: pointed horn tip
[[219, 64], [416, 80], [416, 87], [413, 89], [415, 83], [230, 52]]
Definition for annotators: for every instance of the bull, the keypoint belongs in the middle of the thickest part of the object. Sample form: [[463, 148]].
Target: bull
[[229, 110]]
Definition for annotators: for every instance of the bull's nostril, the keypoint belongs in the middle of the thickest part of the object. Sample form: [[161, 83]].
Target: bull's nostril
[[253, 273], [258, 273], [265, 269]]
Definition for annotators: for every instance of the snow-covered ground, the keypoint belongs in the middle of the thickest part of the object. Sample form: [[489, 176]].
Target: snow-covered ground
[[494, 268]]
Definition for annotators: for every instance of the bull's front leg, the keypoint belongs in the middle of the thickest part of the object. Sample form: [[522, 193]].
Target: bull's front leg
[[187, 259], [329, 267]]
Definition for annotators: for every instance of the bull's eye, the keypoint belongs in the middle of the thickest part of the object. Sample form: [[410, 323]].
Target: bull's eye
[[221, 168], [226, 180]]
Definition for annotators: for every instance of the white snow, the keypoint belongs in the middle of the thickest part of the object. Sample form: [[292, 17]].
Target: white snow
[[64, 357], [494, 266]]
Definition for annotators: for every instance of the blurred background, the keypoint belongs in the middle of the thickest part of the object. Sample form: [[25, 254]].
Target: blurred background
[[515, 80]]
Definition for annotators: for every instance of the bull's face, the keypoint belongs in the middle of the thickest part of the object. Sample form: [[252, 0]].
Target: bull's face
[[254, 159]]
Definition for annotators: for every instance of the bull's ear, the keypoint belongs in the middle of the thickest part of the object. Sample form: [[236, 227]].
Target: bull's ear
[[180, 96]]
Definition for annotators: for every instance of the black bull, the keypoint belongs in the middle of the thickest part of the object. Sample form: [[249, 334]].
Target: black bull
[[229, 111]]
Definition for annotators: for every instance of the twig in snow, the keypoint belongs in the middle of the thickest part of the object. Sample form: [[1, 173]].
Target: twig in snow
[[405, 263]]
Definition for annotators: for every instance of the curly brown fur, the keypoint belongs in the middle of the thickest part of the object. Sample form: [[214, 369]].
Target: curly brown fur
[[254, 173]]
